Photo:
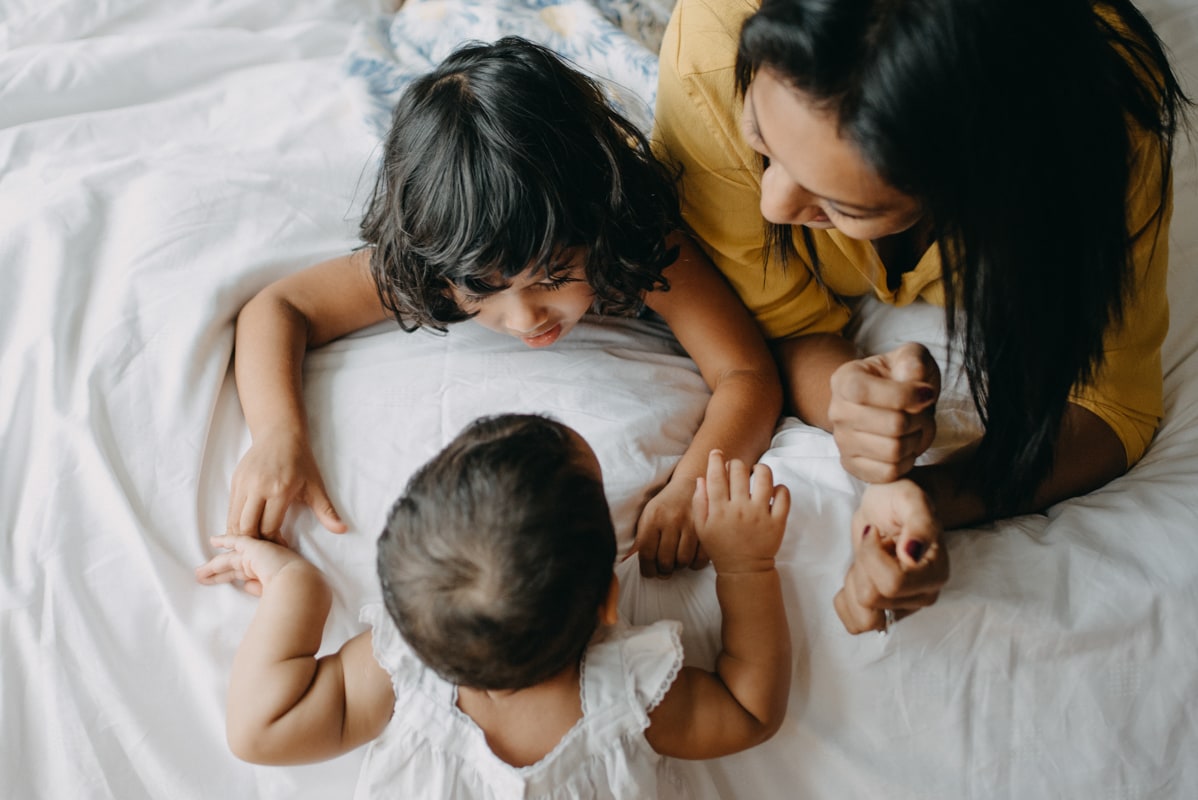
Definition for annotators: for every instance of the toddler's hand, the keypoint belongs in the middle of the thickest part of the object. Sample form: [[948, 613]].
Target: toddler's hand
[[883, 411], [739, 515], [277, 470], [665, 533], [254, 562], [899, 558]]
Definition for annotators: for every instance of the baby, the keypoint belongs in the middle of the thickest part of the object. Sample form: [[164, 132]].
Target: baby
[[499, 667]]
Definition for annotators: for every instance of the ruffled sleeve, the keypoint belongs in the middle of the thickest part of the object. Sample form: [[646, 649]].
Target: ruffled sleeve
[[653, 657], [644, 661], [390, 650]]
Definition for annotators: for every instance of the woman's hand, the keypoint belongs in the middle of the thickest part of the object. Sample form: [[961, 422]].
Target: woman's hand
[[250, 561], [900, 561], [278, 470], [882, 411], [665, 532]]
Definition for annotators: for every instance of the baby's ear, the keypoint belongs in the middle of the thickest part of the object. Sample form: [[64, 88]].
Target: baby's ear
[[609, 610]]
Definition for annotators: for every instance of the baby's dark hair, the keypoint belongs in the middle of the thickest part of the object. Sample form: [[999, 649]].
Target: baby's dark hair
[[501, 159], [497, 558]]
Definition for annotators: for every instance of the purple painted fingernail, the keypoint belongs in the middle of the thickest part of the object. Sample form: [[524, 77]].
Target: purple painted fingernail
[[925, 393], [868, 530], [915, 549]]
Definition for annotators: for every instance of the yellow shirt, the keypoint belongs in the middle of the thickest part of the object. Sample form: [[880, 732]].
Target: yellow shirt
[[697, 128]]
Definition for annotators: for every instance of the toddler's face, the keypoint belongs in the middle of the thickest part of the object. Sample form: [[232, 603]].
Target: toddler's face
[[534, 307]]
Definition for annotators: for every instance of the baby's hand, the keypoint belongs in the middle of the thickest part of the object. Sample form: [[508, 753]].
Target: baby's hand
[[740, 516], [254, 562], [665, 533], [275, 472]]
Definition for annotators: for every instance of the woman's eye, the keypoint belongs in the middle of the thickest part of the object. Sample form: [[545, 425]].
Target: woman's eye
[[838, 213]]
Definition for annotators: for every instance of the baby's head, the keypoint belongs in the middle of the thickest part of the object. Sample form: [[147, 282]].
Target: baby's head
[[497, 559], [506, 162]]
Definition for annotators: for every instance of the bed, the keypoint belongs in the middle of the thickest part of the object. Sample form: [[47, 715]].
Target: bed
[[161, 162]]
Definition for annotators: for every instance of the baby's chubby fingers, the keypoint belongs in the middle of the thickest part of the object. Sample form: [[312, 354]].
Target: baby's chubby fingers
[[761, 483], [738, 480], [717, 478], [221, 568]]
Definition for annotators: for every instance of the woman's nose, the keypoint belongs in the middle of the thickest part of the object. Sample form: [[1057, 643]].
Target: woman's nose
[[783, 201]]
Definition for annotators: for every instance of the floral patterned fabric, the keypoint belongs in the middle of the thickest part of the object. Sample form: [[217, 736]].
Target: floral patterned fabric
[[616, 41]]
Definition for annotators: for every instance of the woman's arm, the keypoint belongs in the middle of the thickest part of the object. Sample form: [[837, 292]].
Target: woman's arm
[[715, 329], [285, 706], [274, 330], [904, 568], [1088, 455]]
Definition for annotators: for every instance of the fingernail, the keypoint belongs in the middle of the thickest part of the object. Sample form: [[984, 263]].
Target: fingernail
[[915, 549], [868, 530], [925, 393]]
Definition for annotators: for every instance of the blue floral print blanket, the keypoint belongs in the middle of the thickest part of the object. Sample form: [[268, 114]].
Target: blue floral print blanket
[[616, 41]]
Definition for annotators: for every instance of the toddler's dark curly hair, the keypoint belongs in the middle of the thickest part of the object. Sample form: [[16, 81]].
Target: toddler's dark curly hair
[[500, 160]]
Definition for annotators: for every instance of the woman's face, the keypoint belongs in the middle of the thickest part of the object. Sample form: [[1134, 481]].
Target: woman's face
[[814, 177]]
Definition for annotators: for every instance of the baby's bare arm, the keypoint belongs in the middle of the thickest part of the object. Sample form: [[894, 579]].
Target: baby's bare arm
[[740, 519], [285, 706]]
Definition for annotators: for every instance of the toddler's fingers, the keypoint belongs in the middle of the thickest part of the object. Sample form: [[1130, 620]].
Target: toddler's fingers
[[233, 519], [667, 556], [322, 506], [273, 513], [688, 548], [251, 516], [645, 548]]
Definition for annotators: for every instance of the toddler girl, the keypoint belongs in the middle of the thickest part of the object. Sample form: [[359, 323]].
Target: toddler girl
[[498, 668], [513, 194]]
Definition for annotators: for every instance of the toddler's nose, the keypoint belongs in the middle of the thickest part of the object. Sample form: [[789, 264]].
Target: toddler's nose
[[524, 317]]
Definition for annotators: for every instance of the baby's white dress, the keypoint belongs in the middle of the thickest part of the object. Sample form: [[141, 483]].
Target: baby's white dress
[[430, 749]]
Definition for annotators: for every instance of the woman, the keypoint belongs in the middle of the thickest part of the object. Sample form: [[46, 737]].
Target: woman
[[1008, 159]]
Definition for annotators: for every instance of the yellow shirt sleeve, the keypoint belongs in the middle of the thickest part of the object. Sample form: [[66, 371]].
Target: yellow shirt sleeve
[[697, 114], [1127, 391]]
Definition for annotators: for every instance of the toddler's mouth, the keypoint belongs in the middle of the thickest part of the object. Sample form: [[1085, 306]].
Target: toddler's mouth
[[544, 339]]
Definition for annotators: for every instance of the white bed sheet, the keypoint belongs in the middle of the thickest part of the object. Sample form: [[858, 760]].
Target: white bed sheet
[[161, 162]]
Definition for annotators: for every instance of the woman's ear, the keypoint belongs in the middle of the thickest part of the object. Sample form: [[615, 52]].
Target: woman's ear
[[609, 610]]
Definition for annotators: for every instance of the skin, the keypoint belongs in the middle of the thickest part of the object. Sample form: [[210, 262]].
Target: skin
[[286, 706], [881, 409], [327, 301]]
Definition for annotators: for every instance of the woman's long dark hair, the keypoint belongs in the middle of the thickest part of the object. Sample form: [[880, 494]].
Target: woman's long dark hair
[[500, 159], [1009, 121]]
